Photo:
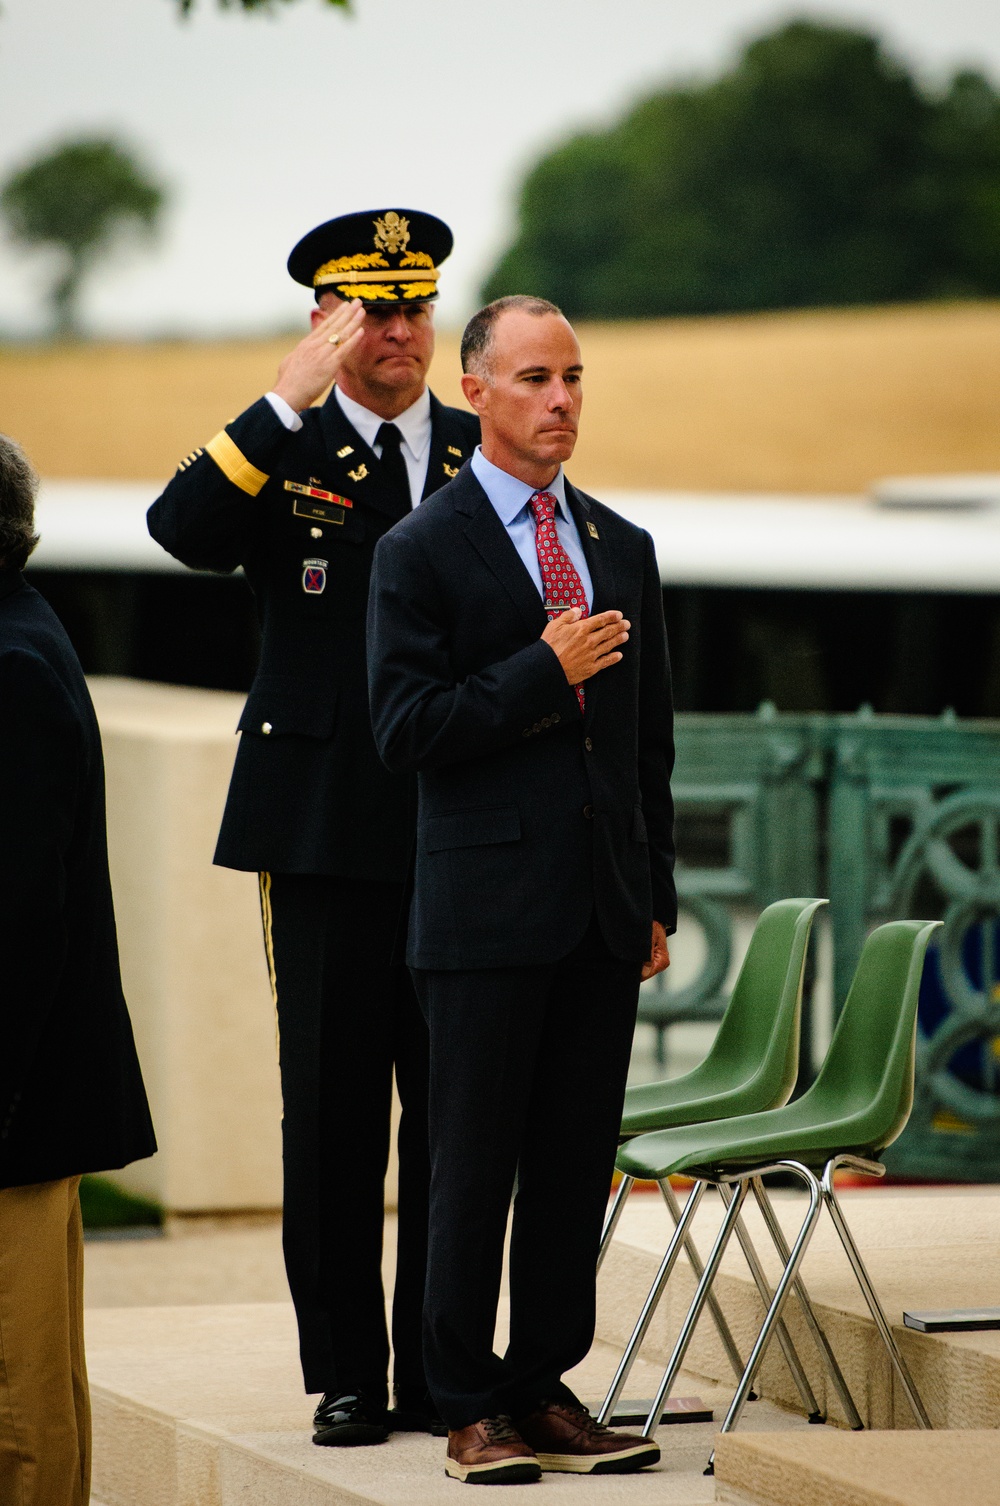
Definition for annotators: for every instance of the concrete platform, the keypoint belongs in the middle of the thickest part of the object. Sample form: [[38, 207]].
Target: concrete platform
[[202, 1406], [859, 1469], [198, 1401]]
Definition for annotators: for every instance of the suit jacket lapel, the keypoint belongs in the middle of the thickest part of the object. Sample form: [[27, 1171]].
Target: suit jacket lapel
[[449, 449], [595, 551], [366, 484], [488, 536]]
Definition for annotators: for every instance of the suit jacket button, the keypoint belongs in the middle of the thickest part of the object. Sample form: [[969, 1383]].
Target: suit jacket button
[[588, 812], [265, 727], [588, 745]]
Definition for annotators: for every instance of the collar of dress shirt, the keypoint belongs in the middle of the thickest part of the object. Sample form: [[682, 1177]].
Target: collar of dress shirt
[[414, 424], [510, 496]]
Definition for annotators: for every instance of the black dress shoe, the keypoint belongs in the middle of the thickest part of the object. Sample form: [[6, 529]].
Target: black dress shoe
[[346, 1420], [414, 1412]]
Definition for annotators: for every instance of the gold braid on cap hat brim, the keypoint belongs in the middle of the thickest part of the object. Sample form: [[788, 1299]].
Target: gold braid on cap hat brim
[[362, 269]]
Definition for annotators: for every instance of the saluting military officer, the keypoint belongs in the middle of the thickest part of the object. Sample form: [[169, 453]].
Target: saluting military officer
[[299, 496]]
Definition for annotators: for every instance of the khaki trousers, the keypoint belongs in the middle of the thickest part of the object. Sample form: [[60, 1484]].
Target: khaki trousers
[[44, 1400]]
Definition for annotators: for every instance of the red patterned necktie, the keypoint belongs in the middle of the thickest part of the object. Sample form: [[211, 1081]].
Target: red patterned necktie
[[563, 586]]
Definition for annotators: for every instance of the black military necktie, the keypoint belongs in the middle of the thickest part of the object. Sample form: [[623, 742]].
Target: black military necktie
[[394, 466]]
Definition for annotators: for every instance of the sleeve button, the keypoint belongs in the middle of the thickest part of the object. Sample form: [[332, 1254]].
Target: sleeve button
[[588, 745], [556, 717], [588, 813], [265, 727]]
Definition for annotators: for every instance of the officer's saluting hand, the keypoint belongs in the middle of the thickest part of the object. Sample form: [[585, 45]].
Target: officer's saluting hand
[[299, 496]]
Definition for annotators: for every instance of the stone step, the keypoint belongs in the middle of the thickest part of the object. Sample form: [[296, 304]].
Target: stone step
[[202, 1406], [924, 1248], [859, 1469]]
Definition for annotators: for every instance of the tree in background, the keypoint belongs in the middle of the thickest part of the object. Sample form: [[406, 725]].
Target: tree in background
[[817, 171], [79, 198]]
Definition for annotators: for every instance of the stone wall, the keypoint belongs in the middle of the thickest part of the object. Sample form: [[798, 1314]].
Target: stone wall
[[192, 955]]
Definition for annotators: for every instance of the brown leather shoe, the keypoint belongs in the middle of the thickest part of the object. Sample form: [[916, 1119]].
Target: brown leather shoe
[[567, 1438], [490, 1452]]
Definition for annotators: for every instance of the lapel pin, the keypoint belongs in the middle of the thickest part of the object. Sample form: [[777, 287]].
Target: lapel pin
[[450, 470], [348, 449], [592, 530], [360, 473], [315, 533], [452, 451]]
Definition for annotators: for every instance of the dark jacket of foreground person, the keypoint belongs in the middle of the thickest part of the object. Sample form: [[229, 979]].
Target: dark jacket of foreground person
[[71, 1093], [531, 816]]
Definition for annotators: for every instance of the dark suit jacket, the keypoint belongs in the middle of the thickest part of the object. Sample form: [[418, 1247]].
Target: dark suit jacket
[[309, 793], [71, 1094], [530, 815]]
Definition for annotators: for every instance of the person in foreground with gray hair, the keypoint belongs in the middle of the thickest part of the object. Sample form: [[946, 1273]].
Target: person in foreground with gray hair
[[71, 1093]]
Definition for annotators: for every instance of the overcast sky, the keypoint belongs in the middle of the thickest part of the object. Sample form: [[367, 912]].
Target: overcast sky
[[261, 126]]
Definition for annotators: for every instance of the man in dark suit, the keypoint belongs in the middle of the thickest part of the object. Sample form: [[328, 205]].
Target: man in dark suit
[[71, 1093], [299, 496], [518, 663]]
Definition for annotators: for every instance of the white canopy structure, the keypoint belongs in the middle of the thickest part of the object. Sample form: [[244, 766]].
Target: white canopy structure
[[925, 540]]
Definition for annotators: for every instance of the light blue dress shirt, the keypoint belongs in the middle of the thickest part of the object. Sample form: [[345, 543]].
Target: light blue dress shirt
[[511, 502]]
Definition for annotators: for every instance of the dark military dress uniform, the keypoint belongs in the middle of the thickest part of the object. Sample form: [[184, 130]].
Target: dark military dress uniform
[[314, 811]]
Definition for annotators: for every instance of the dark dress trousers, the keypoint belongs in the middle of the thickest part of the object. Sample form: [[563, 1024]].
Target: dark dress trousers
[[312, 808], [71, 1093], [544, 853]]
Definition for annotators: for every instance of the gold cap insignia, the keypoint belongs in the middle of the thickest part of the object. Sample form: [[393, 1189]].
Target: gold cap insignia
[[392, 232]]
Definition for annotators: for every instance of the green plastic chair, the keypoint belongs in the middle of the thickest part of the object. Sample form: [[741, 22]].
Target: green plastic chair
[[752, 1066], [858, 1105]]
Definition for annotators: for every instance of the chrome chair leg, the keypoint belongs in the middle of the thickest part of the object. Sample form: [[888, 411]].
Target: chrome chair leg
[[781, 1291], [812, 1322], [652, 1301], [805, 1390], [694, 1311], [694, 1259], [868, 1290], [614, 1214]]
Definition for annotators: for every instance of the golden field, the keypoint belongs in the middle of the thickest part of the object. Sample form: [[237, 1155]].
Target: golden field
[[800, 402]]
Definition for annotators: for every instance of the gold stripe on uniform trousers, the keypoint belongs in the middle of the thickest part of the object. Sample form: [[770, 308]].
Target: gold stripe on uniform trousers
[[234, 465], [267, 919]]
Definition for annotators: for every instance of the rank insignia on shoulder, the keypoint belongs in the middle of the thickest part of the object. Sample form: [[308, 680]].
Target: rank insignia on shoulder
[[360, 473], [592, 530], [344, 451], [450, 470], [314, 577], [452, 451]]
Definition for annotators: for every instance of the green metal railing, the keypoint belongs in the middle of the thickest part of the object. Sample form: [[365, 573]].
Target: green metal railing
[[888, 816]]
